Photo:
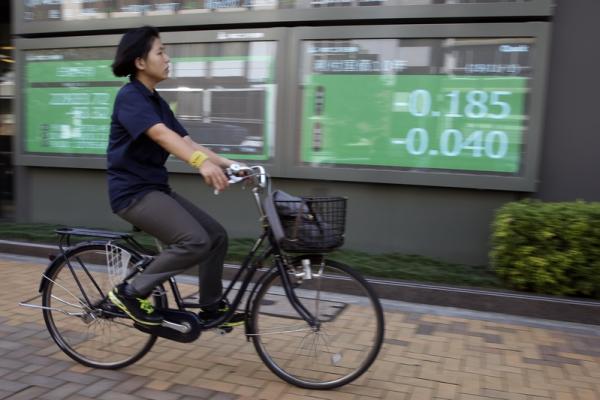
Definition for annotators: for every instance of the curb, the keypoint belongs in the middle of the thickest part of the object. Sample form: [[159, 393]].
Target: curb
[[496, 301]]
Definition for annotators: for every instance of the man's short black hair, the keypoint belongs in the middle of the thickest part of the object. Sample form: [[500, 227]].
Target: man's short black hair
[[134, 43]]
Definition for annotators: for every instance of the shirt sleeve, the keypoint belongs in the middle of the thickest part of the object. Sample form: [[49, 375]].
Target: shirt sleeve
[[177, 127], [136, 114]]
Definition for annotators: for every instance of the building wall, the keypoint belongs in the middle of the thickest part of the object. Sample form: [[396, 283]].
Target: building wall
[[449, 224], [445, 223], [570, 167]]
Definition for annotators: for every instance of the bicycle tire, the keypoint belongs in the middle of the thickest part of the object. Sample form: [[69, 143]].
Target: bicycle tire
[[351, 327], [95, 338]]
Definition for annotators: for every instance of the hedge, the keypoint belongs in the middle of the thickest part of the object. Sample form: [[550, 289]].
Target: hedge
[[551, 248]]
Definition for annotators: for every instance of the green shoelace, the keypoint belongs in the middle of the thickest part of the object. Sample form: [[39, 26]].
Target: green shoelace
[[146, 306]]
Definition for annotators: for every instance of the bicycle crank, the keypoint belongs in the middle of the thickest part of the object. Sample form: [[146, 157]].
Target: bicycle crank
[[180, 326]]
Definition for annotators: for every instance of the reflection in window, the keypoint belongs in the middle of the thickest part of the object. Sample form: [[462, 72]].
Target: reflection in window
[[446, 104], [67, 10], [224, 95]]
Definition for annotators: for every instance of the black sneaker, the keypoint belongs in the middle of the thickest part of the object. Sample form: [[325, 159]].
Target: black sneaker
[[139, 309], [212, 313]]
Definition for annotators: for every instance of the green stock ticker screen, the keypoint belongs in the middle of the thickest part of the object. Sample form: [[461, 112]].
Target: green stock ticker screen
[[224, 102], [418, 104]]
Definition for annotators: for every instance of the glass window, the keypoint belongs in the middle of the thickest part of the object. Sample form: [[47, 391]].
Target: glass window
[[69, 94], [224, 94], [66, 10], [455, 104]]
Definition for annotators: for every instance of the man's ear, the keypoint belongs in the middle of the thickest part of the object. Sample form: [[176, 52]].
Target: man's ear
[[140, 63]]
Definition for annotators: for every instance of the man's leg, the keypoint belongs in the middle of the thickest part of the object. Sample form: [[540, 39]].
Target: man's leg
[[211, 266], [187, 242]]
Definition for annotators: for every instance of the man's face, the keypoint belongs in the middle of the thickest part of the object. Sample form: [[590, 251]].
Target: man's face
[[156, 64]]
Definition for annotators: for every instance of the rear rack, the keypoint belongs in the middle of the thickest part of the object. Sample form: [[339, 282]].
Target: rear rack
[[66, 233], [93, 233]]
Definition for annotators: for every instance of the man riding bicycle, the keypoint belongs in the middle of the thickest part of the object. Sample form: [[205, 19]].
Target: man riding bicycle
[[143, 133]]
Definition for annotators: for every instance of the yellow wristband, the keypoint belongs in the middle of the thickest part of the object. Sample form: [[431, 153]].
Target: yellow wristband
[[197, 159]]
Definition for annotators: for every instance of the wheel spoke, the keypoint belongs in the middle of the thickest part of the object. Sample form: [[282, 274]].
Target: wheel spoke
[[96, 337], [340, 349]]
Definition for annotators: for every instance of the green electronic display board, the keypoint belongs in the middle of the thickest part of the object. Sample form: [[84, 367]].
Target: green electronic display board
[[224, 102], [68, 99], [424, 104]]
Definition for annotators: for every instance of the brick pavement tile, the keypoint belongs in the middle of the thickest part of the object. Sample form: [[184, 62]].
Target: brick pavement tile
[[192, 391], [37, 360], [565, 396], [362, 391], [15, 375], [168, 376], [192, 398], [140, 370], [9, 345], [586, 394], [272, 391], [420, 393], [11, 364], [110, 374], [391, 395], [130, 385], [446, 391], [159, 385], [152, 394], [119, 396], [22, 352], [247, 391], [223, 396], [39, 380], [97, 388], [12, 386], [31, 392], [80, 368], [243, 380], [55, 368], [63, 391], [76, 377]]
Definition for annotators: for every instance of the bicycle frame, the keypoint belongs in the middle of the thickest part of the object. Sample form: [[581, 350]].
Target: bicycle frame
[[250, 266]]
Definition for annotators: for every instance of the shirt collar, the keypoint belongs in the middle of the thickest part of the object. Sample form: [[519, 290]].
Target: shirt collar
[[142, 88]]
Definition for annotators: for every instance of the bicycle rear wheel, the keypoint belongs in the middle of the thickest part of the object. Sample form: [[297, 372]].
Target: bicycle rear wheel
[[340, 349], [83, 324]]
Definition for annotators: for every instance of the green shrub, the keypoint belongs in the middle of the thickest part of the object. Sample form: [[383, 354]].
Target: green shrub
[[551, 248]]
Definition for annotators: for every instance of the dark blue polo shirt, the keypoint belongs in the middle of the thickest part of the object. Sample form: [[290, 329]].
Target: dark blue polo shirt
[[136, 164]]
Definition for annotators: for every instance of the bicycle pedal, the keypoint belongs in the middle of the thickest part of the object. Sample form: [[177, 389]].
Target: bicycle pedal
[[222, 331]]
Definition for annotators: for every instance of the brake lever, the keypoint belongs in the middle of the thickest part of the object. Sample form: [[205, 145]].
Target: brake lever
[[232, 177]]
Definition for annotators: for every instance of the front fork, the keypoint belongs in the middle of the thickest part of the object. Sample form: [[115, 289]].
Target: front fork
[[304, 272]]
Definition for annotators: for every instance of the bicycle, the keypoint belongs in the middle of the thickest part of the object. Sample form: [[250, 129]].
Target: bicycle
[[315, 323]]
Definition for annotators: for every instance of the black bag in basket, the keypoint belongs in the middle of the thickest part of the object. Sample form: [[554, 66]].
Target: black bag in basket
[[310, 224]]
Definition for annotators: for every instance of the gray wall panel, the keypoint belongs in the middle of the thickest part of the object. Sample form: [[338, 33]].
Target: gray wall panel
[[448, 224], [570, 161]]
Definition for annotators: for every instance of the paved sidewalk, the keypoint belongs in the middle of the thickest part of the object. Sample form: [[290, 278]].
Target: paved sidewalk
[[429, 353]]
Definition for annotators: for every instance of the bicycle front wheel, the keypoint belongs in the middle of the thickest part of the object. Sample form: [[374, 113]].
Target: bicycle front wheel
[[79, 318], [340, 348]]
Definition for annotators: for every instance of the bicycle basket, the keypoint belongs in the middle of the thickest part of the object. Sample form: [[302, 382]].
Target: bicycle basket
[[311, 224], [117, 261]]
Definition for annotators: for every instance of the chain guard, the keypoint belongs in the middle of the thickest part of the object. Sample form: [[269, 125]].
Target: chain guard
[[178, 317]]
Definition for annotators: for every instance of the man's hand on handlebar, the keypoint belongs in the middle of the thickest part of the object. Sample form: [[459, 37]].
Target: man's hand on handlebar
[[214, 175]]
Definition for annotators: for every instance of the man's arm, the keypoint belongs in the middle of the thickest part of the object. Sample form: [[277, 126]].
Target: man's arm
[[184, 148]]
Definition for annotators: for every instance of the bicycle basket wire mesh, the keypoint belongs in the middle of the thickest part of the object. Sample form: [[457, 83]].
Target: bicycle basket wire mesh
[[117, 261], [311, 224]]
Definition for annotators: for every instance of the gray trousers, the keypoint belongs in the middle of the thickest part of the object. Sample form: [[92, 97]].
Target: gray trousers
[[191, 236]]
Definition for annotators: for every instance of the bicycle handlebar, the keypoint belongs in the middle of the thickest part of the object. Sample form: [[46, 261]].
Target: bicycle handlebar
[[237, 173]]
